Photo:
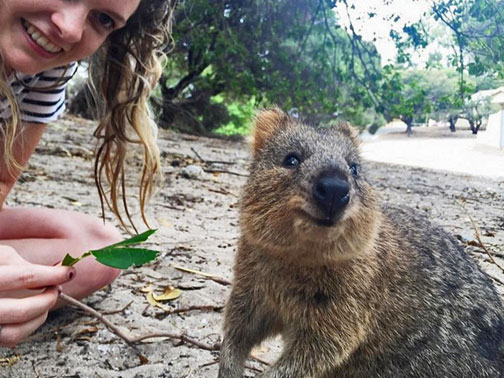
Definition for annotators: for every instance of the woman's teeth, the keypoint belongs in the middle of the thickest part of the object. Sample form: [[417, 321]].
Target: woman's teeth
[[39, 39]]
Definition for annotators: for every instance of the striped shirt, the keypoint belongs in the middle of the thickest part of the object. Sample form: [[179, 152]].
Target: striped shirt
[[39, 99]]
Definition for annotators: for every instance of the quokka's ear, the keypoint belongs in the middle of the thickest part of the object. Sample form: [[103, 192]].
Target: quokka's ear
[[349, 131], [266, 122]]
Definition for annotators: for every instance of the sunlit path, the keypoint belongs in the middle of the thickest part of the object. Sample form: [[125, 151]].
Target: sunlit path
[[458, 153]]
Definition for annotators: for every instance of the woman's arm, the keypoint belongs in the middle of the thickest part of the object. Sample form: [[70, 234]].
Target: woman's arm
[[19, 317], [24, 145]]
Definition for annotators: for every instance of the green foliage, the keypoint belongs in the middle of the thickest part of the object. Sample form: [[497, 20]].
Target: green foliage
[[240, 115], [123, 258], [413, 37], [288, 53], [233, 56], [119, 255], [477, 46], [476, 28], [405, 95]]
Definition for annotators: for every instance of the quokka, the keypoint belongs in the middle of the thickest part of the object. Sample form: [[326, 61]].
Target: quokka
[[355, 288]]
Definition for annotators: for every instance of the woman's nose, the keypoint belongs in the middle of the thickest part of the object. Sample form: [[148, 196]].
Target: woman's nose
[[70, 21]]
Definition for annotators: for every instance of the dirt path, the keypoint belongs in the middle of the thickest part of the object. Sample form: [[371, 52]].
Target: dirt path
[[436, 148], [197, 221]]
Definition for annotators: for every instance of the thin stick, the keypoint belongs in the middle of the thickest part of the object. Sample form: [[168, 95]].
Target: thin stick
[[495, 278], [131, 340], [222, 191], [225, 171], [117, 311], [217, 361], [198, 155], [107, 323], [192, 308], [181, 337], [210, 161], [480, 242], [217, 279], [260, 360]]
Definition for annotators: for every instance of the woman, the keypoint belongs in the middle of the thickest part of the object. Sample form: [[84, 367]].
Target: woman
[[40, 41]]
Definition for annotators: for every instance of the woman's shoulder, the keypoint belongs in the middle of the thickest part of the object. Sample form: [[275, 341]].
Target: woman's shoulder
[[55, 77], [41, 97]]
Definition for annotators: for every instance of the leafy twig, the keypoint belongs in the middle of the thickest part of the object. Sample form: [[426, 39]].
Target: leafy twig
[[119, 255]]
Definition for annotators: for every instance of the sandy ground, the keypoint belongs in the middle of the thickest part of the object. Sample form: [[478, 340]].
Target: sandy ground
[[197, 221]]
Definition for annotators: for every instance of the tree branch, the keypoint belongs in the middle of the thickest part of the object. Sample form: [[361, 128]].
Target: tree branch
[[130, 340]]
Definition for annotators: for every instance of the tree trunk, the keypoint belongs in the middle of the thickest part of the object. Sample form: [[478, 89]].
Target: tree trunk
[[409, 125], [452, 121], [476, 129], [472, 126]]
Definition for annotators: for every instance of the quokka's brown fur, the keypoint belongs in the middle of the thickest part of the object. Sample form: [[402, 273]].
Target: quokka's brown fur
[[354, 288]]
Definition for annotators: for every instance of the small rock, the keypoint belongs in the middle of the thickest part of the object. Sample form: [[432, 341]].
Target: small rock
[[192, 172], [466, 237]]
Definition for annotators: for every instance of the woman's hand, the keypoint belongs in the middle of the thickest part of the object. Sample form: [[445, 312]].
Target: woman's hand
[[19, 317]]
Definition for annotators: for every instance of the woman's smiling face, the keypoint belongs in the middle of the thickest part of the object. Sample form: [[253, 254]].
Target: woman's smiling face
[[36, 35]]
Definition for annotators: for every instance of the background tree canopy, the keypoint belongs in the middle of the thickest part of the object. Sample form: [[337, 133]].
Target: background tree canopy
[[255, 53], [233, 56]]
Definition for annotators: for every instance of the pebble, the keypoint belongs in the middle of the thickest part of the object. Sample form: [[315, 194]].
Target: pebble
[[192, 172]]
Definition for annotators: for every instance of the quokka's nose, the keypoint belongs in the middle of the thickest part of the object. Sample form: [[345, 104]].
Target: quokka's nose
[[331, 194]]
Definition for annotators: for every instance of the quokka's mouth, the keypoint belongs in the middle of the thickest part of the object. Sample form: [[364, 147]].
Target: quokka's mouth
[[322, 222], [325, 222]]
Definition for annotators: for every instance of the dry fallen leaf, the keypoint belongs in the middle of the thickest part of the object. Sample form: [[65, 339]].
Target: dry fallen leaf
[[169, 294], [87, 330], [59, 344], [9, 361], [83, 338], [153, 302]]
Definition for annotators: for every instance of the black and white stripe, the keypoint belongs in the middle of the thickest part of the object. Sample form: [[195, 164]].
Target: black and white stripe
[[39, 99]]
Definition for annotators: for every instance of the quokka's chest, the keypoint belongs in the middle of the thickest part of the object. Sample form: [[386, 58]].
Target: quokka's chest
[[286, 292]]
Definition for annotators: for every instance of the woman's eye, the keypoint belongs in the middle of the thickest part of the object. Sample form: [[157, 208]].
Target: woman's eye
[[105, 20], [354, 170], [291, 161]]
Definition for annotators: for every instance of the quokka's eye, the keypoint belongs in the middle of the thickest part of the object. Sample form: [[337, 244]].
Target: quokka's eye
[[292, 160], [354, 170]]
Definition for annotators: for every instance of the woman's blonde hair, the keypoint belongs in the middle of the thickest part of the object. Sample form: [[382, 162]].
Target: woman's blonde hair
[[9, 130], [129, 66]]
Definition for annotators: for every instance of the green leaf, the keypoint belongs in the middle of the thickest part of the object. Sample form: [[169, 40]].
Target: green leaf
[[134, 240], [123, 258], [117, 256], [69, 260]]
